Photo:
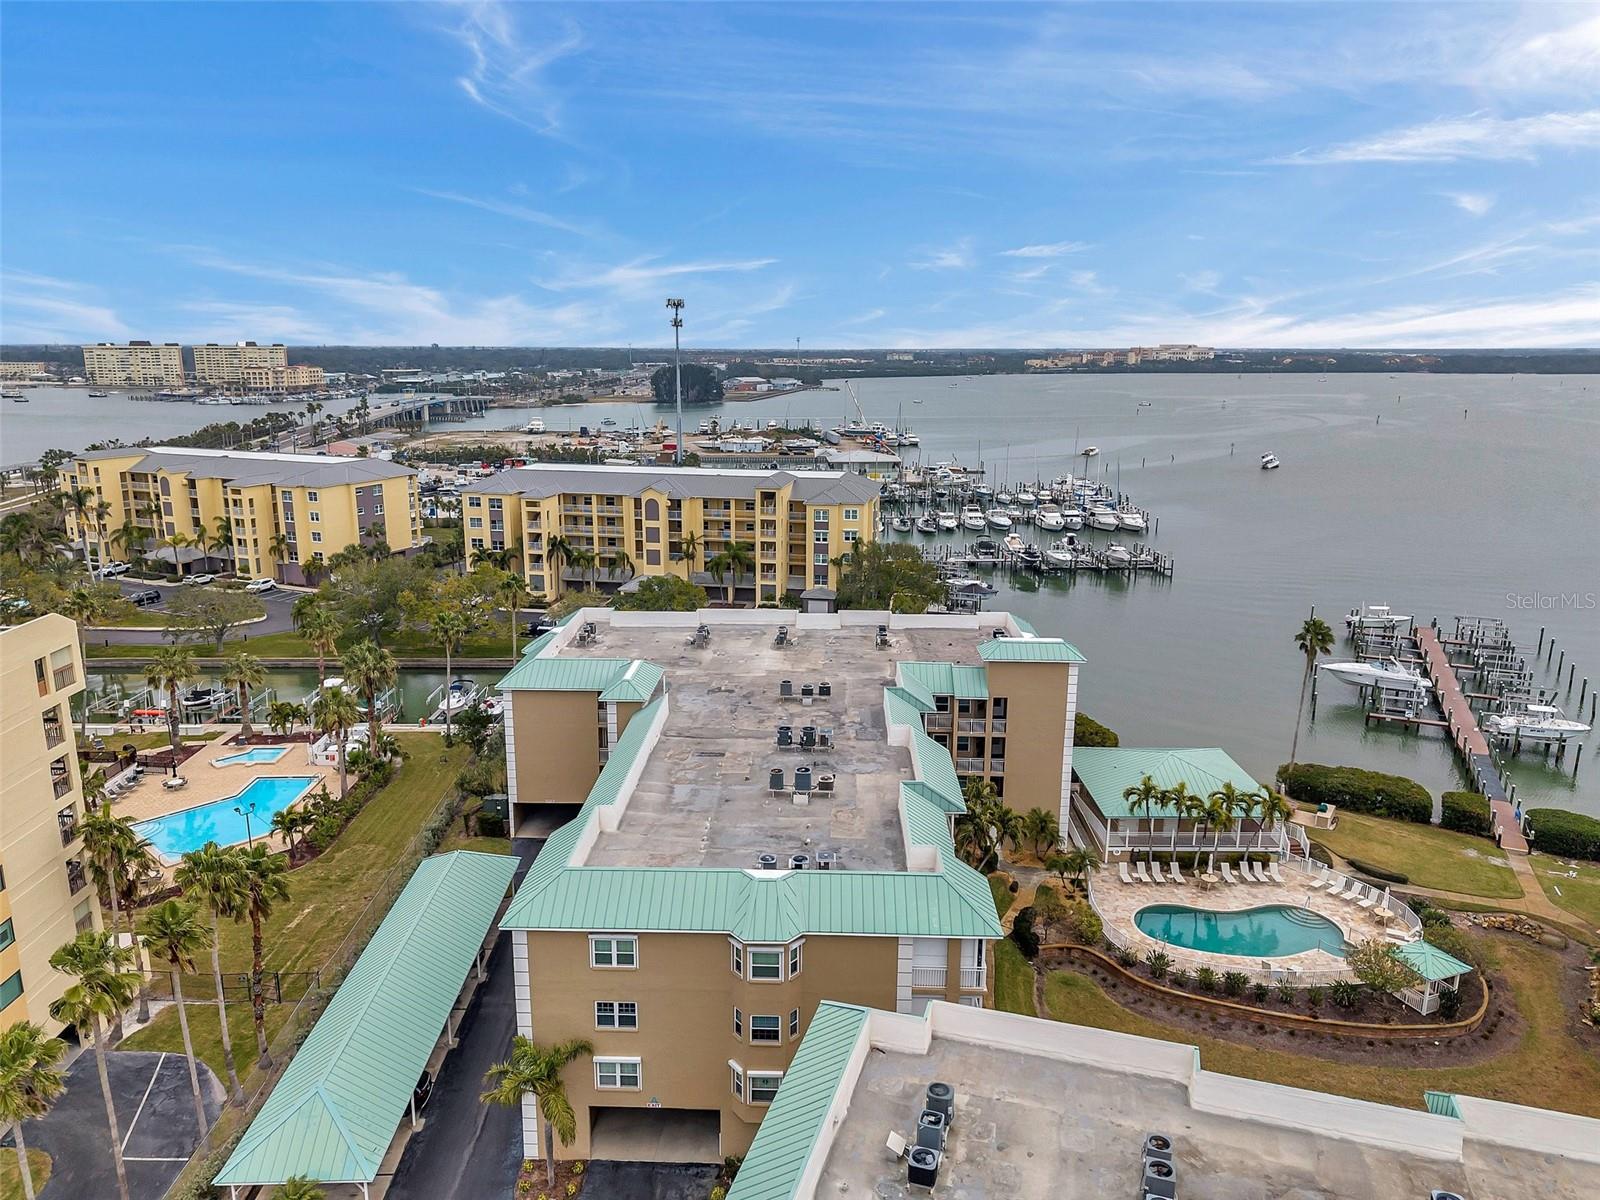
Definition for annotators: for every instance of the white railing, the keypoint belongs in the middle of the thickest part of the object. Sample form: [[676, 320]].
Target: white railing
[[974, 977], [929, 976], [1383, 902], [1196, 841]]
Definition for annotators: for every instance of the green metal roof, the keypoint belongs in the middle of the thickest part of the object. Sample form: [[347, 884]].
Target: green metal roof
[[901, 707], [334, 1112], [635, 683], [564, 674], [1029, 649], [1442, 1104], [1432, 963], [1107, 771], [789, 1133], [946, 679], [934, 765]]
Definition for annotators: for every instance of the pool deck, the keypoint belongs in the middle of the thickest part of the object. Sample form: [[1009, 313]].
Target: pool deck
[[1118, 902], [208, 782]]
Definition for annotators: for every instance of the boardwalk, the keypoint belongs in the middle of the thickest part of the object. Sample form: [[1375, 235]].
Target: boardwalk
[[1468, 737]]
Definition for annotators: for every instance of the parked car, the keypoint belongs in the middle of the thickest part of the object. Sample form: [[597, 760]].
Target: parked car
[[539, 626], [111, 570], [261, 585], [199, 580], [145, 596], [423, 1092]]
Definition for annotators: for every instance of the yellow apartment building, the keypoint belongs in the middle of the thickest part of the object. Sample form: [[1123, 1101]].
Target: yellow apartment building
[[284, 378], [22, 369], [673, 520], [749, 813], [138, 364], [280, 512], [45, 895], [225, 365]]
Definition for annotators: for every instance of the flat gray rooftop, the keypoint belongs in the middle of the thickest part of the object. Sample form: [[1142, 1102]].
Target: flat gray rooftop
[[1030, 1126], [703, 798]]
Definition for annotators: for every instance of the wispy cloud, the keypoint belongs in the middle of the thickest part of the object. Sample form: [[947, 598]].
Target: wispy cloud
[[506, 72], [507, 208], [648, 271], [1046, 250], [1475, 203], [1201, 281], [1478, 136], [955, 257], [43, 308]]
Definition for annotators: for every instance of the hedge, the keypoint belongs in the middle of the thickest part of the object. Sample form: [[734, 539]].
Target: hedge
[[1557, 831], [1359, 791], [1465, 812], [1086, 731], [1383, 873]]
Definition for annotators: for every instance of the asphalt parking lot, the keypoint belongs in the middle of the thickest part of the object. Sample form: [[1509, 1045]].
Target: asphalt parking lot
[[279, 604]]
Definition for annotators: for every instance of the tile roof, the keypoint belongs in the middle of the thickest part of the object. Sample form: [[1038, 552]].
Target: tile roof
[[1029, 649], [550, 479], [1106, 772], [333, 1114], [238, 469]]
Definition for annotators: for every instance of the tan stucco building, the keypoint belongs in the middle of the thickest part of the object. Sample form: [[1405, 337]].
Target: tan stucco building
[[138, 364], [45, 894], [743, 823], [673, 520]]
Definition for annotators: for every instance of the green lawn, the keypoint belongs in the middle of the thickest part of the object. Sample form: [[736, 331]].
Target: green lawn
[[1013, 979], [1427, 856], [11, 1175], [484, 845], [1000, 888], [1580, 896], [1547, 1068], [163, 1033]]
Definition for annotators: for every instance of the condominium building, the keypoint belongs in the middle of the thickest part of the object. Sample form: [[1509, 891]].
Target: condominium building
[[45, 895], [672, 520], [19, 369], [259, 514], [138, 364], [749, 813], [281, 378], [226, 364]]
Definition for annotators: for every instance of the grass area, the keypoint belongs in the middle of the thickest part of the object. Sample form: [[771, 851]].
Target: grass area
[[493, 641], [11, 1174], [1428, 857], [484, 845], [1013, 979], [1580, 896], [163, 1033], [1547, 1068], [1000, 888]]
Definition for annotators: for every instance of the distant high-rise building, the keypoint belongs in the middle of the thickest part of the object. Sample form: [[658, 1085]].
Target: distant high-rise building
[[138, 364], [227, 364], [17, 369], [280, 378]]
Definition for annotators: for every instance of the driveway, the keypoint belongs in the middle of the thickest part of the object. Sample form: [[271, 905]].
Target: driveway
[[280, 618], [154, 1109], [649, 1181]]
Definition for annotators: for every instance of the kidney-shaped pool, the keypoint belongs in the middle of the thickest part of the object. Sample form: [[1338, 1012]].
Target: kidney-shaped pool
[[1268, 932]]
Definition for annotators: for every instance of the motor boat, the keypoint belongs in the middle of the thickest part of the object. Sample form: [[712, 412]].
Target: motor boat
[[1387, 673], [1049, 517], [1003, 497], [926, 524], [972, 518], [204, 697], [1013, 542], [1090, 451], [1118, 556], [1025, 498], [1102, 517], [901, 524], [971, 585], [985, 552], [460, 695], [1130, 520], [1071, 518], [1064, 552], [1535, 723], [1029, 555], [494, 706], [536, 425], [983, 491], [1375, 616], [948, 521], [1269, 462], [999, 519]]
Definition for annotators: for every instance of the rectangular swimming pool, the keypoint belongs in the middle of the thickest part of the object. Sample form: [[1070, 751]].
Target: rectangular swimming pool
[[175, 834], [256, 754]]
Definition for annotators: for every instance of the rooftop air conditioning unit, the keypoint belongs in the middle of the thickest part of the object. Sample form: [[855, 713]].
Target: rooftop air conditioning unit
[[799, 862], [1439, 1195], [827, 860], [1157, 1146], [1160, 1179], [767, 862], [922, 1166], [931, 1129], [942, 1098]]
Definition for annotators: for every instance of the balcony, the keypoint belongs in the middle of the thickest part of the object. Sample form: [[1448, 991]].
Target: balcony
[[61, 785], [997, 725], [67, 820], [997, 766], [77, 878], [971, 725], [54, 733], [936, 722], [63, 677], [929, 977], [970, 766]]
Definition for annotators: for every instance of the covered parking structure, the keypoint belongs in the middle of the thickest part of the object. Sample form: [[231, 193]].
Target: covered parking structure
[[336, 1115]]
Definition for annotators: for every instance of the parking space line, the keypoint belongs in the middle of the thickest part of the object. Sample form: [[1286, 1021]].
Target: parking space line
[[140, 1110], [131, 1158]]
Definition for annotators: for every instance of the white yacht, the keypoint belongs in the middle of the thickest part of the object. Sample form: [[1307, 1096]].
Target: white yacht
[[926, 524], [1025, 498], [901, 523], [1013, 542], [1103, 517], [1071, 518], [1003, 497], [998, 519], [1387, 672], [1064, 552], [1129, 519], [1269, 462], [1090, 451], [460, 695], [1049, 517], [948, 521], [972, 518], [1535, 723], [1118, 556], [1375, 616], [536, 425], [973, 586]]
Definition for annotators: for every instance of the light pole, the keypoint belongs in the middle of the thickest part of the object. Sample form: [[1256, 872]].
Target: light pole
[[247, 813], [677, 376]]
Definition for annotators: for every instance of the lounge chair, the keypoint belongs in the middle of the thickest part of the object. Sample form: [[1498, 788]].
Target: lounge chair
[[1245, 869], [1156, 873], [1177, 875], [1352, 892], [1368, 900], [1256, 873], [1227, 874], [1273, 873], [1140, 873], [1318, 882], [1122, 871]]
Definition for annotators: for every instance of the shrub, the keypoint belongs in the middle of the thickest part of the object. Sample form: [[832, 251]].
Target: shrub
[[1285, 991], [1344, 993], [1086, 731], [1082, 923], [1315, 994], [719, 1192], [1126, 957], [1452, 941], [491, 825], [1465, 812], [1449, 1004], [1023, 934], [1378, 965], [1047, 904], [1180, 977], [1557, 831], [1383, 873], [1158, 964], [1260, 992], [1234, 983], [1359, 791], [1205, 979]]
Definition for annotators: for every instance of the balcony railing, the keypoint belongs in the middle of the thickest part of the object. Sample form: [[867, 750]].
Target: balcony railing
[[54, 734], [929, 977], [67, 820], [997, 724], [973, 978], [61, 785], [997, 766], [936, 722], [77, 878], [971, 766], [63, 676], [971, 725]]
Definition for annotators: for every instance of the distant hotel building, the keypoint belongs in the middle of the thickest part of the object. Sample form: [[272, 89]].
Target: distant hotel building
[[794, 523], [45, 894], [295, 378], [138, 364], [14, 369], [1131, 357], [227, 364]]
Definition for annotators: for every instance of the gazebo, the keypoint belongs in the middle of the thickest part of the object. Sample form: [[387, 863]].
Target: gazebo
[[1440, 973]]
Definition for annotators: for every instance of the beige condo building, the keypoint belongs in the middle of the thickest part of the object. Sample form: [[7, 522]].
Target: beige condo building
[[45, 895], [283, 378], [673, 520], [283, 513], [22, 369], [138, 364], [226, 364], [749, 820]]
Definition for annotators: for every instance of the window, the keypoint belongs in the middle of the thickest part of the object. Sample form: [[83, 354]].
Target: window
[[738, 1080], [616, 1014], [311, 497], [766, 964], [794, 959], [738, 1024], [794, 1023], [613, 951], [11, 989], [614, 1073], [737, 962], [852, 514], [764, 1086], [766, 1029], [316, 517], [850, 535], [7, 933], [316, 535]]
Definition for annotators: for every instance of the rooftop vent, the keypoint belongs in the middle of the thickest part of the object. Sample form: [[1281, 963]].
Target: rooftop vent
[[922, 1166], [942, 1098], [1157, 1145], [799, 862], [827, 860], [766, 862], [1160, 1179], [931, 1129]]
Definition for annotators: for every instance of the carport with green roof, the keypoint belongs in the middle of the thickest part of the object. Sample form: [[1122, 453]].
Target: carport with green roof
[[334, 1115]]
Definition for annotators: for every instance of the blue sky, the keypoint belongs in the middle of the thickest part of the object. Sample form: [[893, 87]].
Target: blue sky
[[875, 175]]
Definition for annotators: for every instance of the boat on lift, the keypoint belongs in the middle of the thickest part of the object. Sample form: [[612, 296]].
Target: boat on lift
[[926, 524], [1013, 542], [999, 520], [972, 518], [1375, 616], [1535, 723], [971, 585], [985, 552], [1065, 552], [1029, 555], [1049, 517], [1269, 462], [1118, 556], [1386, 673], [459, 696]]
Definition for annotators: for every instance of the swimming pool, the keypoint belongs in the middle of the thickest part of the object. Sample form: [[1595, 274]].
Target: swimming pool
[[1268, 932], [178, 833], [257, 754]]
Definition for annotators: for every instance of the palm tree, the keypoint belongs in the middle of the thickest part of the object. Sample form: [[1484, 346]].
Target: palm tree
[[105, 985], [986, 825], [316, 622], [84, 605], [1271, 808], [118, 859], [280, 547], [222, 539], [1041, 828], [372, 671], [513, 594], [174, 931], [584, 560], [264, 885], [171, 667], [1313, 639], [130, 536], [283, 715], [29, 1083], [620, 561], [298, 1187], [243, 673], [216, 878], [557, 554], [739, 558], [1145, 797], [690, 549], [535, 1071], [1182, 802], [80, 502], [178, 540], [1073, 864], [450, 626], [287, 823], [333, 712], [1219, 815]]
